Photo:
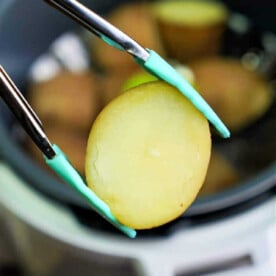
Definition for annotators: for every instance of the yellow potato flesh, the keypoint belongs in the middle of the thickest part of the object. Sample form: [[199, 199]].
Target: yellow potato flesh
[[191, 12], [147, 155]]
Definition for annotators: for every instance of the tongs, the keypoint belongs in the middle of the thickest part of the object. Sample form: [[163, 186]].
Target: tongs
[[145, 57], [53, 155]]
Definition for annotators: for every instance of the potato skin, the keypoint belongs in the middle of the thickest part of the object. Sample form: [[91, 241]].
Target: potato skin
[[190, 29], [135, 20], [69, 99], [147, 155], [112, 85], [185, 43], [67, 105], [221, 175], [238, 95]]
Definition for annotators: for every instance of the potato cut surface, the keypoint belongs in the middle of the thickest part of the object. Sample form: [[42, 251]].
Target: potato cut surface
[[191, 12], [147, 155]]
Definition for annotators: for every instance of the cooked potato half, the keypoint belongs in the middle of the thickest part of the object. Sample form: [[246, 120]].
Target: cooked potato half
[[147, 155], [135, 20], [69, 99], [190, 29], [221, 175]]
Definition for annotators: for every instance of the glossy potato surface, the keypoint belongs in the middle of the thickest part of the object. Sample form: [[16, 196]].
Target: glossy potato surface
[[147, 155]]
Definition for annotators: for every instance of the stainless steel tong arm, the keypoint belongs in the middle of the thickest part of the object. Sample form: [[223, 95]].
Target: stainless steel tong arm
[[24, 113], [100, 27]]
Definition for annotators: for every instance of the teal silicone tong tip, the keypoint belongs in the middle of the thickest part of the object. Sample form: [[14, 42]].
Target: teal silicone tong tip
[[61, 165], [157, 66]]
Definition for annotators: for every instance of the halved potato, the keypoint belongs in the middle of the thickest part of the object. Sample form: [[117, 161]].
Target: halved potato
[[135, 20], [69, 99], [147, 155], [111, 85], [238, 95], [221, 175], [190, 29]]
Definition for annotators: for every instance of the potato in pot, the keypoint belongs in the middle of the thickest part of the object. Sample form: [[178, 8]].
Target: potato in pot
[[69, 99], [238, 95]]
